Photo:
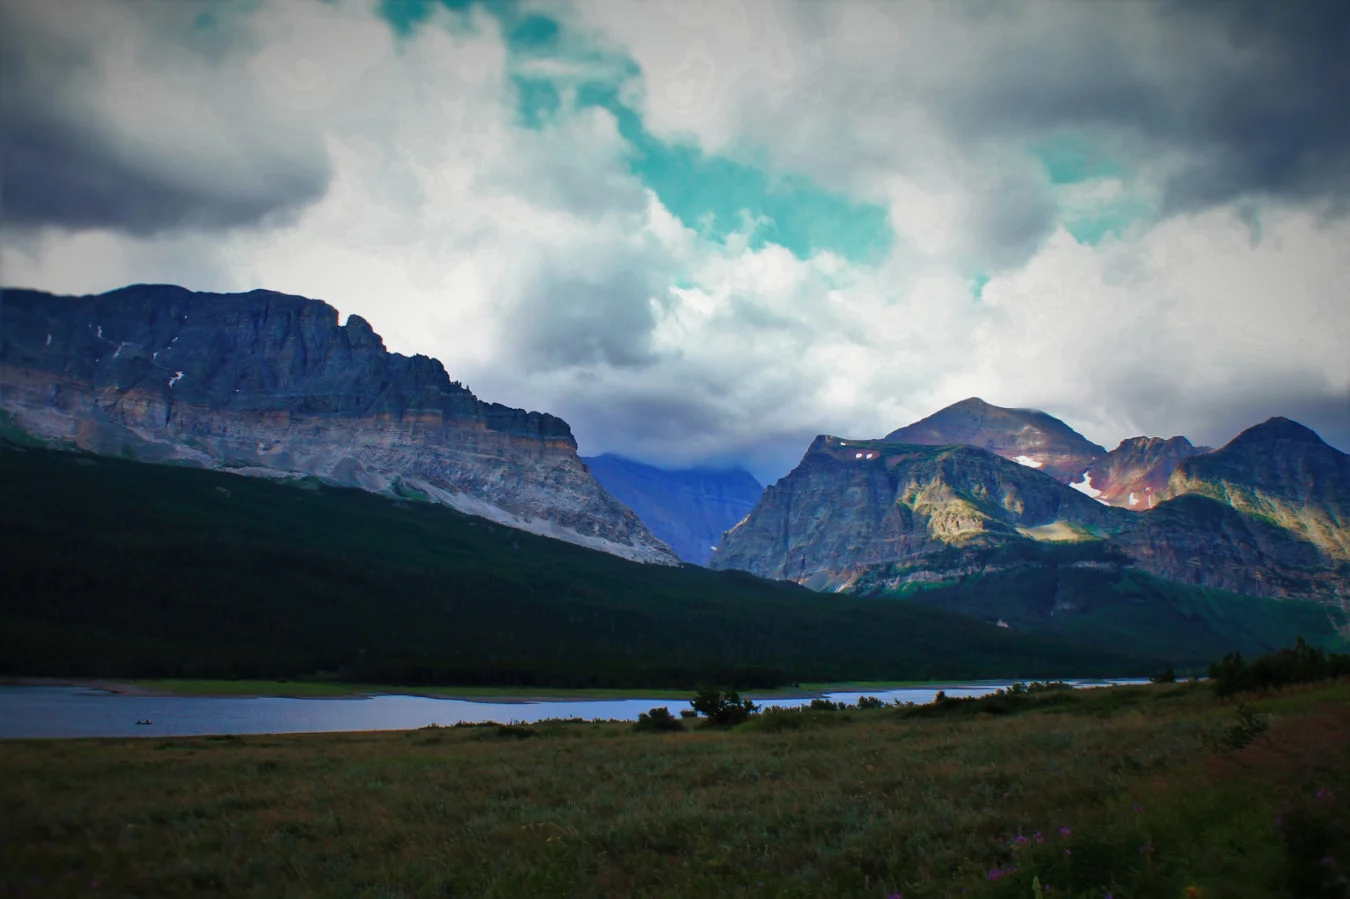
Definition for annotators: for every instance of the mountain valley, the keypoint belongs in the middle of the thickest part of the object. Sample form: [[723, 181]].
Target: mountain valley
[[687, 510]]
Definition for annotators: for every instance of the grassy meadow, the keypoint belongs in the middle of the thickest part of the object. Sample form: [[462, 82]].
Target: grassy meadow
[[1150, 791]]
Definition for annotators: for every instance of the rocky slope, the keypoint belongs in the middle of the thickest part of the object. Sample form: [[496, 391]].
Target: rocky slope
[[1268, 514], [1281, 472], [1134, 475], [852, 505], [1026, 436], [1264, 516], [270, 384], [688, 510]]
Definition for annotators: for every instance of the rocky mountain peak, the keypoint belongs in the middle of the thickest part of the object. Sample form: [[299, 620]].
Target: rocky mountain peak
[[852, 504], [1278, 472], [1274, 432], [1029, 437]]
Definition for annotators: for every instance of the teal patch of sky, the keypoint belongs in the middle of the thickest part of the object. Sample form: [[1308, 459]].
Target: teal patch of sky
[[713, 194], [980, 280], [1073, 157], [1111, 217], [405, 15]]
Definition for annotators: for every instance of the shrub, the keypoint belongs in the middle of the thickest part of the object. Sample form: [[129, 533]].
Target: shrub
[[1167, 677], [658, 718], [722, 708], [516, 731], [869, 702], [1248, 726]]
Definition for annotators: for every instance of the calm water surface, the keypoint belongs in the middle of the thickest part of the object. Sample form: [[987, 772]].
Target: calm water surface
[[80, 712]]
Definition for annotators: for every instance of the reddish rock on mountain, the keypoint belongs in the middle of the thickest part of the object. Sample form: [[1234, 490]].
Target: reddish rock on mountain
[[1026, 436], [1134, 475]]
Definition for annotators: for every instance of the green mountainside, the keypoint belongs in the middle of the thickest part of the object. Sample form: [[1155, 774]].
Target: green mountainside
[[1088, 592], [115, 568]]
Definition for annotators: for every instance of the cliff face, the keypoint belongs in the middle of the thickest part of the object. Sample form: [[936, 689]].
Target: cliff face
[[270, 384], [687, 510], [1026, 436], [851, 506], [1134, 475]]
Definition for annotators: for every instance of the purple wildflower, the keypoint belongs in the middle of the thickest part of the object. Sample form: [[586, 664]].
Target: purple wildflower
[[1137, 808], [1037, 837], [1064, 831], [1324, 793]]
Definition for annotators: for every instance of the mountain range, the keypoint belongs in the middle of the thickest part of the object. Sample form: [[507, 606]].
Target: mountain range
[[1006, 515], [995, 511]]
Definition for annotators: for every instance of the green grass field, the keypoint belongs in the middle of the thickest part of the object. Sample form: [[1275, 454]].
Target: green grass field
[[1141, 792]]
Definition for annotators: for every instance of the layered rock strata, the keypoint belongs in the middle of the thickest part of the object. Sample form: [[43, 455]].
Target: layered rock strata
[[270, 384]]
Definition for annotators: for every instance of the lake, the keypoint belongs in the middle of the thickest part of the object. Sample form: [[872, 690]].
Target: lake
[[67, 711]]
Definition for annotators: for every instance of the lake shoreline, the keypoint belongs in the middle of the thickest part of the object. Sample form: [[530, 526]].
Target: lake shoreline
[[245, 689]]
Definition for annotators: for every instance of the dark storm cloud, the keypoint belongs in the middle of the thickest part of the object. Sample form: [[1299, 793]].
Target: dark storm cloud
[[1016, 215], [70, 163], [1161, 407], [1257, 93], [1282, 126], [1327, 414], [567, 320]]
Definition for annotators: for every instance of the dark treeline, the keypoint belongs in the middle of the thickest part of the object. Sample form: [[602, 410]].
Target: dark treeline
[[1297, 664], [113, 568]]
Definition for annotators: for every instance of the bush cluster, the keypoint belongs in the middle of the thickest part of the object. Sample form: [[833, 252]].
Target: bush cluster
[[1297, 664], [658, 718], [723, 707]]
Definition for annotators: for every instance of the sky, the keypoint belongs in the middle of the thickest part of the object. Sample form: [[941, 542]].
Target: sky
[[705, 232]]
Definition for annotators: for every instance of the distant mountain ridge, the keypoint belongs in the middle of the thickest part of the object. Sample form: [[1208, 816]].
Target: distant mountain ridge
[[1264, 516], [269, 384], [687, 509]]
